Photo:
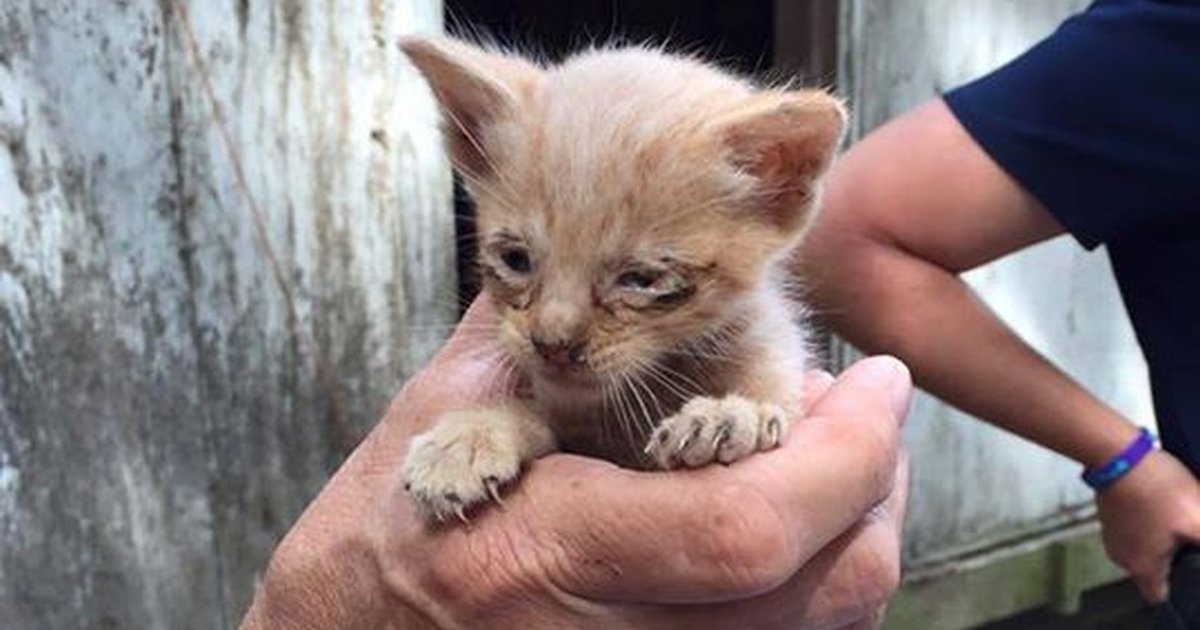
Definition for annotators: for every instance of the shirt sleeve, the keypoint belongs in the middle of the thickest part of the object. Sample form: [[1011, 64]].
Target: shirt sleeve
[[1101, 120]]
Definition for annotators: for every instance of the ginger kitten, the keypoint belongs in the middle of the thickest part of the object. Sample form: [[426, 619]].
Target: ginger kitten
[[635, 210]]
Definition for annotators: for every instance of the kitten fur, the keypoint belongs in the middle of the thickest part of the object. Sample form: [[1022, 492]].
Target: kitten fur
[[634, 213]]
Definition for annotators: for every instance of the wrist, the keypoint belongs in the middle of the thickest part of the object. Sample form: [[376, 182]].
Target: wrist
[[1105, 440], [1102, 476]]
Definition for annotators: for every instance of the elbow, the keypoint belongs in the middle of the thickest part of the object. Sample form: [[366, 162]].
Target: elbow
[[844, 258]]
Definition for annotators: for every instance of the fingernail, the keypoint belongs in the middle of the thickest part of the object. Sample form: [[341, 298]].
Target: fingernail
[[892, 373]]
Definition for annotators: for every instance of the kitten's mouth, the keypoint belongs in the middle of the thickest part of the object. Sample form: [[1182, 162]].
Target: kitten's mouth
[[569, 377]]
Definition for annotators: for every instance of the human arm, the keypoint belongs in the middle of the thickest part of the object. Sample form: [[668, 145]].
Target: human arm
[[803, 536], [905, 211]]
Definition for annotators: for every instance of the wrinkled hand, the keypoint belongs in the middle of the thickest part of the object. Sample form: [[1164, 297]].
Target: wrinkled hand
[[1146, 516], [804, 536]]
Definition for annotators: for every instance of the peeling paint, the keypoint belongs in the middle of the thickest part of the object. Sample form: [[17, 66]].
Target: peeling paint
[[15, 322], [10, 485], [162, 423]]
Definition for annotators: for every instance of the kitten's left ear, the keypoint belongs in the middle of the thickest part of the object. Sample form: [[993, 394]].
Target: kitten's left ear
[[786, 141]]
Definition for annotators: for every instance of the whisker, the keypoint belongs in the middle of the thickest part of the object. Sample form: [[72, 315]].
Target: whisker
[[478, 146], [651, 422], [656, 372], [688, 380], [607, 407], [637, 396], [627, 412], [479, 188]]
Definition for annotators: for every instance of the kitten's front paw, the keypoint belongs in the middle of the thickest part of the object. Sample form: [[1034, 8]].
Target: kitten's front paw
[[462, 461], [710, 430]]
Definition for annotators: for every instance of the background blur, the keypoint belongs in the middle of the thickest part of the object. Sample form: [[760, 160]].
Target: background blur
[[226, 237]]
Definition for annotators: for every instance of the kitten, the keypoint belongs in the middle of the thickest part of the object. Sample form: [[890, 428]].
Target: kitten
[[635, 211]]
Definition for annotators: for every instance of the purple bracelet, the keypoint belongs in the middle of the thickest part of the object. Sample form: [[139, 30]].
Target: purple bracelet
[[1104, 476]]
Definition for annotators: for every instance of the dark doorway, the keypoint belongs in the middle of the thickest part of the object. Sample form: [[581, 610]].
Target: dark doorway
[[737, 33]]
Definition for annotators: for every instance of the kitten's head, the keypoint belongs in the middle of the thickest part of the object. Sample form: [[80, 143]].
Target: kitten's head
[[628, 201]]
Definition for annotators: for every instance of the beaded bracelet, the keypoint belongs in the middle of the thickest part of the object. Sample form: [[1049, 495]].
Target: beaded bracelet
[[1104, 476]]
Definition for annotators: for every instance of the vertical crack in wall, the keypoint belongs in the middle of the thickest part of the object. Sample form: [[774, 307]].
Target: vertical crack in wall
[[177, 71]]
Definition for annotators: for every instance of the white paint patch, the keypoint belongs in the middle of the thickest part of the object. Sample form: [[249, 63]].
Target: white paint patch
[[10, 484], [14, 327], [33, 218]]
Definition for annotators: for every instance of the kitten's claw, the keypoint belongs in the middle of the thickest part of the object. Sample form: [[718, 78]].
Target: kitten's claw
[[461, 462], [775, 424], [773, 430], [710, 430], [658, 436], [493, 488], [722, 436], [697, 429]]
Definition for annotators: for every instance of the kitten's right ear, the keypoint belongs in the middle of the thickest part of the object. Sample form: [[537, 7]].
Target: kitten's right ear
[[476, 89]]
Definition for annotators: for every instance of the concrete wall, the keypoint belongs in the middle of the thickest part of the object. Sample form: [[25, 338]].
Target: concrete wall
[[161, 423], [974, 486]]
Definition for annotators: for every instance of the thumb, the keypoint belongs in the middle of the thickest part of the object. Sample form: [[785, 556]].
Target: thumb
[[470, 369], [869, 374], [718, 533], [1153, 586], [1191, 531]]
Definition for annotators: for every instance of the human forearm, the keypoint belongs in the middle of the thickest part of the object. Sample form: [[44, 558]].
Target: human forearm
[[905, 211], [884, 299], [908, 209]]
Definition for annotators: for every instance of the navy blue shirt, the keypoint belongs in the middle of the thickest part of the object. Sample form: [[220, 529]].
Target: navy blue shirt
[[1101, 122]]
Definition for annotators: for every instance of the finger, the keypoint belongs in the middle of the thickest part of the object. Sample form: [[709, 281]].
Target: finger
[[862, 576], [1153, 586], [1191, 507], [480, 316], [846, 585], [469, 369], [843, 457], [720, 533], [816, 384], [872, 621], [897, 502]]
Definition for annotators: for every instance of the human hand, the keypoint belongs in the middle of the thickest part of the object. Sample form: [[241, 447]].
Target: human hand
[[805, 536], [1146, 516]]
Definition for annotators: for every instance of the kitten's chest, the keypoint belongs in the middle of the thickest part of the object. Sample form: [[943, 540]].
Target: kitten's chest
[[614, 424]]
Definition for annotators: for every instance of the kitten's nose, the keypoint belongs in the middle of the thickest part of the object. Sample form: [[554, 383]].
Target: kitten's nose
[[561, 353]]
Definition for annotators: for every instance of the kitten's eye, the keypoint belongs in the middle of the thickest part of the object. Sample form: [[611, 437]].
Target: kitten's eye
[[661, 287], [639, 280], [517, 260]]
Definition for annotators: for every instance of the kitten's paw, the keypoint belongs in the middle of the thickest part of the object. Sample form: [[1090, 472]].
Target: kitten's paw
[[710, 430], [462, 461]]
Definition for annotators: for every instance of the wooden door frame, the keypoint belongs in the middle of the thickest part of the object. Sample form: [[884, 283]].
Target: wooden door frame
[[806, 40]]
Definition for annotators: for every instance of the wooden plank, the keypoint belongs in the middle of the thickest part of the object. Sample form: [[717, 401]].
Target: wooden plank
[[160, 424], [806, 40]]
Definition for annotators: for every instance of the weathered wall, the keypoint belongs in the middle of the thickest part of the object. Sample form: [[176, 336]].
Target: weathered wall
[[160, 424], [974, 486]]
